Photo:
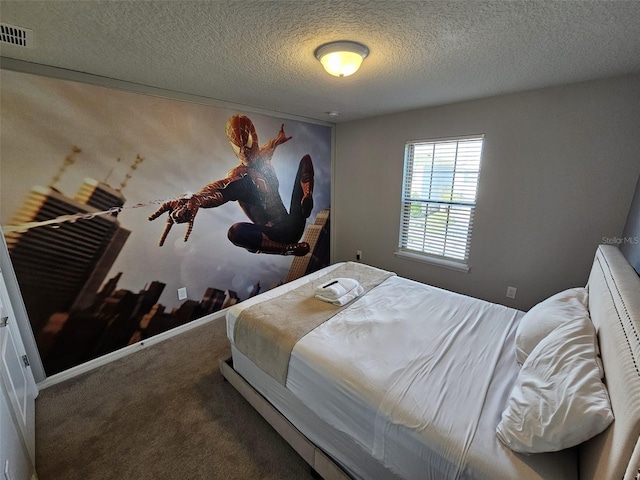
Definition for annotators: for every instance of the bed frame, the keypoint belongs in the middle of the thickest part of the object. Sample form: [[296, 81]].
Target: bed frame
[[614, 304], [319, 461]]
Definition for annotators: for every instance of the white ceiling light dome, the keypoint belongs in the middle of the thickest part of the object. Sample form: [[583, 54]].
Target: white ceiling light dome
[[342, 58]]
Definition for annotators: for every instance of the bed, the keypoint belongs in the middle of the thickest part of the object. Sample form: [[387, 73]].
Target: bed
[[409, 381]]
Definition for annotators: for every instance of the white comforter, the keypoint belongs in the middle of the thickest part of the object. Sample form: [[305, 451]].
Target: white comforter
[[419, 377]]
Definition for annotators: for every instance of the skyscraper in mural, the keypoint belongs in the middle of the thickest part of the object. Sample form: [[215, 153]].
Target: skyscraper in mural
[[317, 236], [62, 265]]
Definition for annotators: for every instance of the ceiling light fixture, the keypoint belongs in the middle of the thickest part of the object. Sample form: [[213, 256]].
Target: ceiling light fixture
[[341, 58]]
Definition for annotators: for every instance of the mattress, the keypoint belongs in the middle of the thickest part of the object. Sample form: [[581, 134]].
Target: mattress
[[411, 376]]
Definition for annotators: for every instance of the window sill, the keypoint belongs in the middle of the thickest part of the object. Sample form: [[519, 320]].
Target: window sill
[[435, 261]]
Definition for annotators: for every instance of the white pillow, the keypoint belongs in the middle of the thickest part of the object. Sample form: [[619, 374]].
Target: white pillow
[[558, 400], [544, 317]]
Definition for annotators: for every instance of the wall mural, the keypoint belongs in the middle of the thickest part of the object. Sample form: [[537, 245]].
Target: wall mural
[[127, 215]]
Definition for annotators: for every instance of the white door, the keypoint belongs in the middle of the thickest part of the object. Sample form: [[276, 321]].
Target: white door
[[17, 402]]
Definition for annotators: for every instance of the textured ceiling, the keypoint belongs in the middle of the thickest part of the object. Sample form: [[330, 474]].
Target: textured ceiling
[[260, 53]]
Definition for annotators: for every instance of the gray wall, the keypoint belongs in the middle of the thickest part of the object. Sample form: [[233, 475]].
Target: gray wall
[[630, 241], [559, 170]]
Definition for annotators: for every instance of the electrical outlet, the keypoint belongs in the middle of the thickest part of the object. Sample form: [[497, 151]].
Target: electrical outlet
[[182, 293], [358, 255], [511, 292]]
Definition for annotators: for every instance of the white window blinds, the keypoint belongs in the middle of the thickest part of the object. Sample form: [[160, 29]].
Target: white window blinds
[[439, 197]]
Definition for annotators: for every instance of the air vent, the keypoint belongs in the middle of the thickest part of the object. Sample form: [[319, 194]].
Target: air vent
[[16, 35]]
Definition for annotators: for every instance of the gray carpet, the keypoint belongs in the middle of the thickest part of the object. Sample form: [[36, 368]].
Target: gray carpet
[[162, 413]]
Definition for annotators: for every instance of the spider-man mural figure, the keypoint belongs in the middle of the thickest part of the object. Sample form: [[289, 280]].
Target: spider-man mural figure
[[254, 185]]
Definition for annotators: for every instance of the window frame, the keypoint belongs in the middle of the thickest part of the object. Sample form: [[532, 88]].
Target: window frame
[[407, 200]]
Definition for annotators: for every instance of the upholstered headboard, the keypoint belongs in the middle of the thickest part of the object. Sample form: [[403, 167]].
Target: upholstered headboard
[[614, 305]]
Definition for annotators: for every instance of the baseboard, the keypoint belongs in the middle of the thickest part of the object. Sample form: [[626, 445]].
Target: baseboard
[[123, 352]]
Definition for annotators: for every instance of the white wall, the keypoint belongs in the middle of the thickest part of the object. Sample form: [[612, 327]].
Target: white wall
[[559, 170]]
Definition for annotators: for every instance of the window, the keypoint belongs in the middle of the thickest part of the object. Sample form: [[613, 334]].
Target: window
[[439, 199]]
